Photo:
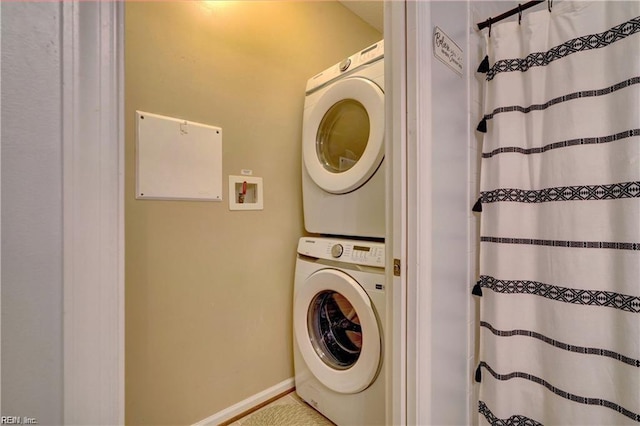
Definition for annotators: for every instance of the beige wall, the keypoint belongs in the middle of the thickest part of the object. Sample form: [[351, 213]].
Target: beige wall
[[209, 291]]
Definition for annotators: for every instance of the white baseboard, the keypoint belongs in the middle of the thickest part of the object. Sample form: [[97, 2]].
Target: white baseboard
[[247, 404]]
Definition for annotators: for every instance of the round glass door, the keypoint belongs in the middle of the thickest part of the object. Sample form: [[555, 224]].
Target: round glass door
[[334, 329], [342, 135]]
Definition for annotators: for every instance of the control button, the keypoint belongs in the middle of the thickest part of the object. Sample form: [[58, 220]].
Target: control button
[[344, 65], [336, 250]]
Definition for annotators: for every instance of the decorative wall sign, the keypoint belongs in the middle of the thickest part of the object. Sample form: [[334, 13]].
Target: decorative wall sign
[[447, 51]]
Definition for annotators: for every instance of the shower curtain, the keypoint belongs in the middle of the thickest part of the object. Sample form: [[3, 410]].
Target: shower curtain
[[560, 222]]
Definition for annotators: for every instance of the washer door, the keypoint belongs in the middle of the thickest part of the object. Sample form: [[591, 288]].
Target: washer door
[[343, 135], [337, 331]]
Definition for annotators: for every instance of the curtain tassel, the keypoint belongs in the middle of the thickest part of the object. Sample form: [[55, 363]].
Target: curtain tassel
[[484, 65], [477, 290], [477, 207], [479, 374], [482, 126]]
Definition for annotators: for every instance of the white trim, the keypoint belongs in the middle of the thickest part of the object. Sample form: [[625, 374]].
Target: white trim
[[118, 27], [1, 235], [93, 212], [419, 227], [396, 190], [247, 404]]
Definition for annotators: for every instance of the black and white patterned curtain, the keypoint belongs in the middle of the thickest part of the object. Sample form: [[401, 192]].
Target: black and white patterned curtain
[[560, 222]]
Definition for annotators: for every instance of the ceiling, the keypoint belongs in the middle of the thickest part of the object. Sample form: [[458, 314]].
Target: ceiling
[[370, 11]]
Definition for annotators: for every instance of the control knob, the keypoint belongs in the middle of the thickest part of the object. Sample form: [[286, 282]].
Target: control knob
[[336, 250]]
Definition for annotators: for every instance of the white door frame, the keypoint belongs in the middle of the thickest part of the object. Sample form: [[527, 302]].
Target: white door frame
[[93, 192], [419, 231], [396, 212], [408, 54], [93, 212]]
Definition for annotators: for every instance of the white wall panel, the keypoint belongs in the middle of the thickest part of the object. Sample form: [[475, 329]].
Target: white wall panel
[[450, 292], [31, 212], [441, 147]]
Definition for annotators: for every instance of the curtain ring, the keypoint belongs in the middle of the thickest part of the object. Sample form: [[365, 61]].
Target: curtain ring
[[519, 14], [490, 23], [549, 5]]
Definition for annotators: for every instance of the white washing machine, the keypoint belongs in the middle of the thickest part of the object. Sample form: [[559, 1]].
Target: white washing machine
[[343, 173], [338, 317]]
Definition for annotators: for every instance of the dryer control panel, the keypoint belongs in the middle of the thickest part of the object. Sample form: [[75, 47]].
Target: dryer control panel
[[366, 253], [353, 62]]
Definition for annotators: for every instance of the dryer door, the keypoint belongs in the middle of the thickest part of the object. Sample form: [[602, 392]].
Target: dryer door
[[343, 135], [337, 331]]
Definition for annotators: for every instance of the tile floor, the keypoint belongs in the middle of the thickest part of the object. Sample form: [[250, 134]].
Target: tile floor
[[290, 398]]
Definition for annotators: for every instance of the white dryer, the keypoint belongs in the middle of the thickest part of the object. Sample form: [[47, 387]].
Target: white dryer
[[343, 173], [338, 317]]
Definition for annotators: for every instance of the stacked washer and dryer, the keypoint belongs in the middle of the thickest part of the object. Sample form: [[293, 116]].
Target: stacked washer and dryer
[[339, 308]]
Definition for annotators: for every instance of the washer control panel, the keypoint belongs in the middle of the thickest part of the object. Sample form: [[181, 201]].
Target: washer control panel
[[349, 251], [337, 250]]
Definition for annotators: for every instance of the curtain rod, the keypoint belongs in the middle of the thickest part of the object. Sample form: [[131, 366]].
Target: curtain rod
[[511, 12]]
